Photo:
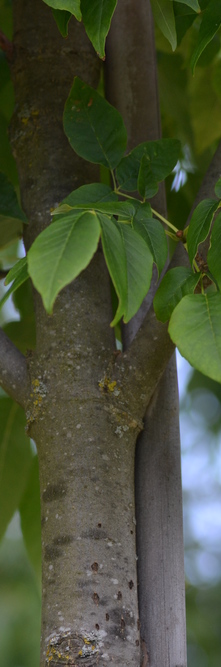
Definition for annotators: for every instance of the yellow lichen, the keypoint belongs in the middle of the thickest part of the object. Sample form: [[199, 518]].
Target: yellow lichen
[[106, 385]]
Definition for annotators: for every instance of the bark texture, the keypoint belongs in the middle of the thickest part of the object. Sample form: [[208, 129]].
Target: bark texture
[[85, 445]]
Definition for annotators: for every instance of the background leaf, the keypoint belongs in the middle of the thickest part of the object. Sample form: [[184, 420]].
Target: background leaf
[[218, 188], [18, 274], [22, 332], [195, 327], [129, 262], [199, 226], [211, 21], [62, 19], [97, 15], [191, 3], [15, 459], [93, 192], [146, 185], [11, 215], [162, 155], [176, 284], [94, 128], [61, 252], [164, 17], [154, 235], [72, 6]]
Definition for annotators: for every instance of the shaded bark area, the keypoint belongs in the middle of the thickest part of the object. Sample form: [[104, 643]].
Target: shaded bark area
[[131, 82], [159, 533]]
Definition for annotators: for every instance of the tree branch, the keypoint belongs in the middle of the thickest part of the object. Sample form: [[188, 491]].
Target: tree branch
[[13, 370]]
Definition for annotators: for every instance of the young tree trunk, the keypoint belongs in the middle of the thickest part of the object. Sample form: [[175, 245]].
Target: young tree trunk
[[84, 404], [132, 88]]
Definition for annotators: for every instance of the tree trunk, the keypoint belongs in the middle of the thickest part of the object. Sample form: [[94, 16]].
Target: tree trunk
[[85, 405], [131, 83]]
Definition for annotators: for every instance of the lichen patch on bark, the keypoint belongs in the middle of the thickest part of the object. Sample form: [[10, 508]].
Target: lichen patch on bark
[[73, 650]]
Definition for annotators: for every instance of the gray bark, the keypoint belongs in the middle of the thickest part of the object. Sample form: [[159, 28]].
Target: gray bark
[[132, 88]]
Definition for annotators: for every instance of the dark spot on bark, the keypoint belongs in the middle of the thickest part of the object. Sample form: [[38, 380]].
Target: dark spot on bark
[[97, 626], [107, 617], [54, 491], [43, 520], [120, 621], [131, 584], [131, 532], [95, 598], [137, 642], [138, 624], [63, 539], [145, 655], [51, 581], [94, 567], [51, 552], [99, 525], [119, 595]]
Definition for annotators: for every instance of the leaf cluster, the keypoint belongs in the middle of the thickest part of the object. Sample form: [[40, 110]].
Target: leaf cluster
[[131, 235]]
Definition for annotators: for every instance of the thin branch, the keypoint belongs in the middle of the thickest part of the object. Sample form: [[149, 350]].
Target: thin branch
[[13, 370]]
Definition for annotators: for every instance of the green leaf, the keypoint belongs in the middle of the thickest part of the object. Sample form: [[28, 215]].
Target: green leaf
[[211, 21], [11, 215], [61, 252], [18, 274], [195, 327], [94, 192], [72, 6], [184, 17], [86, 194], [129, 263], [164, 17], [94, 128], [154, 235], [190, 3], [62, 19], [175, 285], [214, 253], [146, 185], [200, 224], [162, 155], [97, 15], [218, 188], [124, 209], [30, 514], [15, 459]]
